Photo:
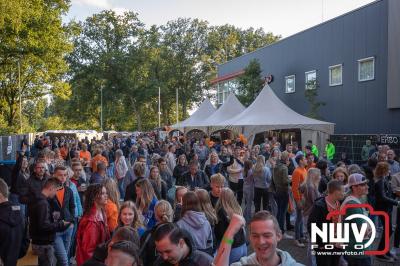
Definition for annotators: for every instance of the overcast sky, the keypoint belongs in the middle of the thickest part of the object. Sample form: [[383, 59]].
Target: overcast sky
[[284, 17]]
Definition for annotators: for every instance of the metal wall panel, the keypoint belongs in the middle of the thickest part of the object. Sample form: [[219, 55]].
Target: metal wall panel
[[355, 107]]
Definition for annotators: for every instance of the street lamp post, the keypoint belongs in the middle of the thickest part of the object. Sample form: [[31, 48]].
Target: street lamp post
[[101, 108], [177, 107], [159, 107], [20, 98]]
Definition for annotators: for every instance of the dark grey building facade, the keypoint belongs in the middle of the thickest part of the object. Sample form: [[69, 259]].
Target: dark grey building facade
[[355, 59]]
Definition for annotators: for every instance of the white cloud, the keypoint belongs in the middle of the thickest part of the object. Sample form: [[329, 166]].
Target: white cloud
[[120, 10], [95, 3]]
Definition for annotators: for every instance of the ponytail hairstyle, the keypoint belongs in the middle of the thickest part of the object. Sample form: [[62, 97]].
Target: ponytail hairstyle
[[163, 212]]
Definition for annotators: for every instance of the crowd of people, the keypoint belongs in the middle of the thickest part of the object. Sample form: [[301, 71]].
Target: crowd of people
[[146, 201]]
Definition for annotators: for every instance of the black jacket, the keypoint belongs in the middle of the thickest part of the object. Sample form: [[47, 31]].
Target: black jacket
[[11, 233], [318, 215], [323, 184], [383, 194], [220, 228], [148, 245], [200, 180], [42, 226], [194, 258], [18, 181], [31, 189], [179, 171], [67, 209]]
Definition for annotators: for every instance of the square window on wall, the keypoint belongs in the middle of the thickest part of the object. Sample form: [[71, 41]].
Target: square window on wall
[[335, 75], [311, 80], [290, 84], [366, 69]]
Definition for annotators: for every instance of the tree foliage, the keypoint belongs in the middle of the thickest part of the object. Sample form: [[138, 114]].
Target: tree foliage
[[311, 95], [250, 83], [34, 39], [114, 53]]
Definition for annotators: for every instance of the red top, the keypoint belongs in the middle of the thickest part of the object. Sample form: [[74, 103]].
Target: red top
[[92, 231]]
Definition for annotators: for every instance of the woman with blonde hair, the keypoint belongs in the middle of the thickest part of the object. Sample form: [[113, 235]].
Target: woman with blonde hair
[[262, 181], [145, 201], [112, 205], [309, 189], [194, 221], [228, 205], [206, 206], [129, 216], [164, 214], [120, 170], [160, 184]]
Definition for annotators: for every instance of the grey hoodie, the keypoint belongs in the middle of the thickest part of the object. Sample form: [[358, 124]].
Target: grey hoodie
[[197, 224], [286, 260]]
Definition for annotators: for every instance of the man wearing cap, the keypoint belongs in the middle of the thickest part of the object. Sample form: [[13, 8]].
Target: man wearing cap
[[358, 186]]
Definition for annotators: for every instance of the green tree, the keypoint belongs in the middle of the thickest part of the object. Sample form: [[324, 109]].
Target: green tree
[[250, 83], [35, 39], [311, 94], [100, 60]]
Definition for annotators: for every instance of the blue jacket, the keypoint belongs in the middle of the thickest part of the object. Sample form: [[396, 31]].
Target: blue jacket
[[149, 215]]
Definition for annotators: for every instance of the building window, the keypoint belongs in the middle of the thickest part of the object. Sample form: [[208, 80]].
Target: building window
[[311, 80], [224, 88], [290, 84], [335, 75], [366, 69]]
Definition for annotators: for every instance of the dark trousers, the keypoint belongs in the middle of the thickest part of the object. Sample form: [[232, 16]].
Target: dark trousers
[[325, 260], [282, 201], [354, 261], [397, 230], [237, 188], [261, 194], [382, 242]]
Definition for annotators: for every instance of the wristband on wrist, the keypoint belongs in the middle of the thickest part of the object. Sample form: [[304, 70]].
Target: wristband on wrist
[[227, 240]]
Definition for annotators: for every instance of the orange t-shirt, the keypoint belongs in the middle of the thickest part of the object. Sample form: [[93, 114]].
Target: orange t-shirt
[[96, 159], [60, 196], [298, 177], [85, 155]]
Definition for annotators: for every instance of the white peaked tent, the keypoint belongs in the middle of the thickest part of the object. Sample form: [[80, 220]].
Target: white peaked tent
[[205, 110], [268, 112], [230, 108]]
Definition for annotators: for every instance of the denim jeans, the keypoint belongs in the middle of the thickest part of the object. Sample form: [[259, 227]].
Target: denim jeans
[[248, 193], [45, 255], [237, 253], [121, 188], [282, 201], [298, 226], [62, 244]]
